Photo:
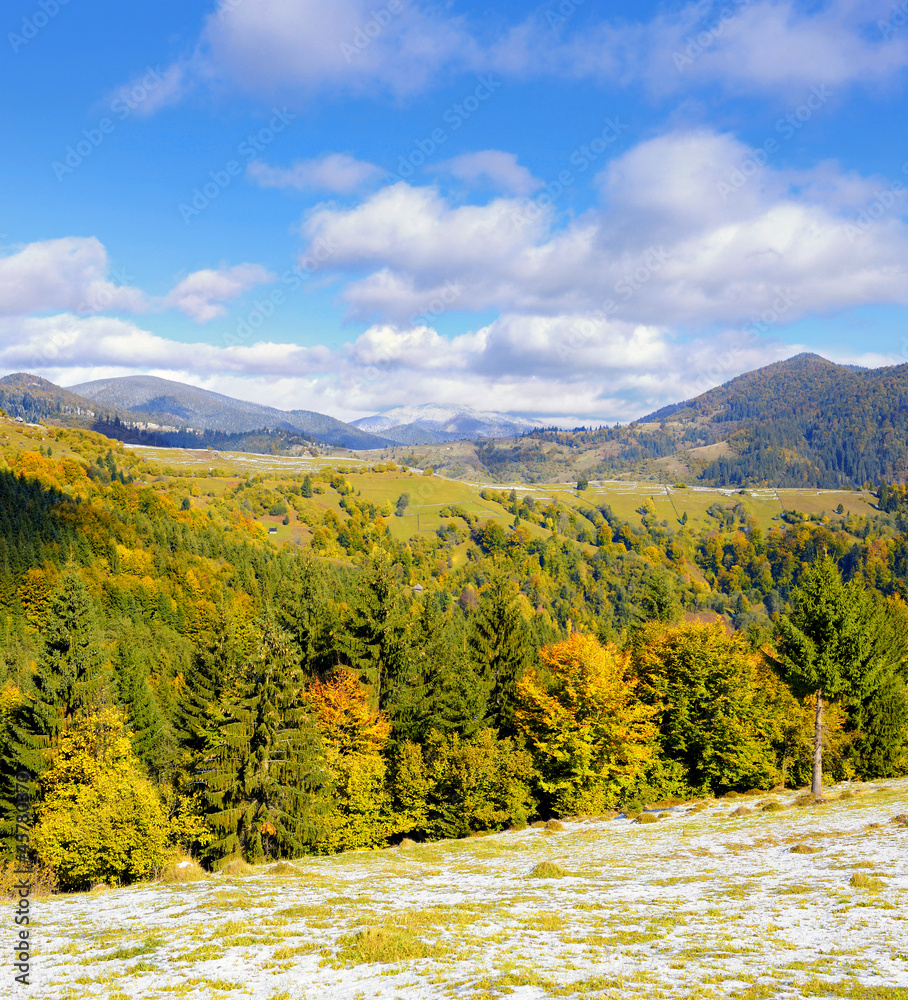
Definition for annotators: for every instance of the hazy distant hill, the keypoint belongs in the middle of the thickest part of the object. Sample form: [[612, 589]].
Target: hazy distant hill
[[32, 399], [165, 401], [431, 423]]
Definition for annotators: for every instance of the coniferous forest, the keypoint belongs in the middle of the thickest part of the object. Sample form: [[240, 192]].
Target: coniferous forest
[[176, 682]]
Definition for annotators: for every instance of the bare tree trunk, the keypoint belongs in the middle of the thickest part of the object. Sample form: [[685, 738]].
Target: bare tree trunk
[[816, 784]]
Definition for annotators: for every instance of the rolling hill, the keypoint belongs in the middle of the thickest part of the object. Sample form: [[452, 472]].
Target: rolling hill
[[159, 399]]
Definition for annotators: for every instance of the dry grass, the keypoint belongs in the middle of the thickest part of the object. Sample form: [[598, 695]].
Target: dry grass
[[805, 849], [547, 869], [236, 866], [553, 826], [861, 881], [647, 818], [183, 870]]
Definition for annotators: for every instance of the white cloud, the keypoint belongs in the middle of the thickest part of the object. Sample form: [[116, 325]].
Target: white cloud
[[71, 273], [202, 294], [335, 172], [500, 168], [685, 236], [355, 45], [400, 48]]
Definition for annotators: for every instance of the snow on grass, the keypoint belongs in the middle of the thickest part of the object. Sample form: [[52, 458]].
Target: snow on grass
[[703, 903]]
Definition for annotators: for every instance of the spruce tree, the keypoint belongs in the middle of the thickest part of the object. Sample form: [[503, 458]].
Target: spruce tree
[[501, 646], [834, 645], [141, 713], [70, 675], [306, 488], [304, 610], [376, 641], [439, 688], [266, 790]]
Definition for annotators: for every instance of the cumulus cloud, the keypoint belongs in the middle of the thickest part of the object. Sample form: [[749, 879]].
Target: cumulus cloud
[[499, 168], [202, 295], [334, 172], [71, 273], [694, 228]]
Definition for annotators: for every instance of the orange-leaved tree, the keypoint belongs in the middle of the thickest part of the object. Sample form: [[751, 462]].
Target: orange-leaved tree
[[354, 736], [590, 737]]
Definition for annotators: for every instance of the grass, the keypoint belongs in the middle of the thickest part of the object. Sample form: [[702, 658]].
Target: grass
[[547, 869], [700, 909]]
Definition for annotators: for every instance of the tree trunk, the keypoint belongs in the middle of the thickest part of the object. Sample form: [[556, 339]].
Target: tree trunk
[[816, 784]]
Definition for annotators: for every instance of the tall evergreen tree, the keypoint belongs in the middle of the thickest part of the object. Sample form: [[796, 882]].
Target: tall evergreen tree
[[501, 645], [70, 675], [265, 793], [376, 642], [834, 645], [304, 610], [440, 688], [141, 713]]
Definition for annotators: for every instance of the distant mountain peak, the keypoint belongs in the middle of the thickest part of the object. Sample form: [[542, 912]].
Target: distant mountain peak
[[433, 423]]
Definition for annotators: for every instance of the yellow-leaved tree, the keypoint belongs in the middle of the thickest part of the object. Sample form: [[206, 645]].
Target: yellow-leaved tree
[[590, 737], [354, 735], [101, 819]]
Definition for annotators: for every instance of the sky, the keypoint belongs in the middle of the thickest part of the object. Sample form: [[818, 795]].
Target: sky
[[578, 212]]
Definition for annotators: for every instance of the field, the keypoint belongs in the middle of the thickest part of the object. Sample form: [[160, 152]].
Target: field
[[428, 494], [727, 898]]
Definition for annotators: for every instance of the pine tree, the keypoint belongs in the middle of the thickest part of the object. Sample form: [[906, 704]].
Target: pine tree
[[303, 610], [501, 646], [834, 644], [140, 709], [70, 675], [375, 641], [440, 689], [265, 792], [306, 488]]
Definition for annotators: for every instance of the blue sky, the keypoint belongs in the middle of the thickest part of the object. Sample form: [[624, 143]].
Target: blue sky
[[578, 211]]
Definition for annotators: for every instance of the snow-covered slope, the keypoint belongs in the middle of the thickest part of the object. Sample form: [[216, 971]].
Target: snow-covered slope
[[443, 423]]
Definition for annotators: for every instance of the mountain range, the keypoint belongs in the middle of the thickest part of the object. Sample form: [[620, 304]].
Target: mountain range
[[431, 423], [805, 421], [146, 403]]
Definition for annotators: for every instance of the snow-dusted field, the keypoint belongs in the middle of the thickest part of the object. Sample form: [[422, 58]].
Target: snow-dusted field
[[700, 904]]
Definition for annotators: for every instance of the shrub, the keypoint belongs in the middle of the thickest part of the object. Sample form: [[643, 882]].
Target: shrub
[[183, 870], [647, 818], [861, 881], [554, 826], [102, 819], [547, 869]]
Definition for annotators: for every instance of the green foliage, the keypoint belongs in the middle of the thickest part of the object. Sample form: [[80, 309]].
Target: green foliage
[[264, 795], [101, 819], [722, 714], [450, 787], [500, 643]]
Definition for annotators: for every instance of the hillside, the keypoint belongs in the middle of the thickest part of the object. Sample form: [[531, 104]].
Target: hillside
[[186, 405], [804, 422], [32, 399]]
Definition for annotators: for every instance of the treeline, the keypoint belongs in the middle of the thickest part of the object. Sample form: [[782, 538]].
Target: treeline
[[172, 681]]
